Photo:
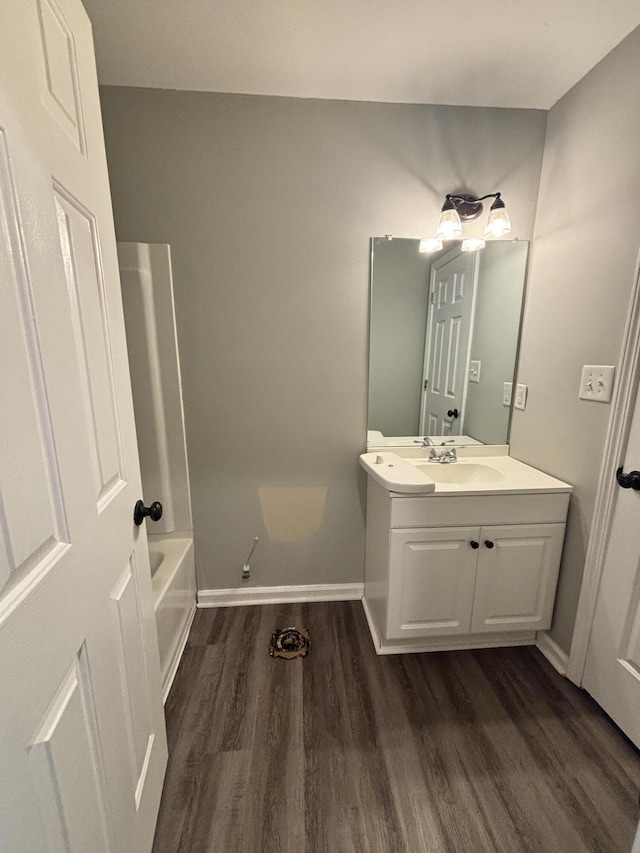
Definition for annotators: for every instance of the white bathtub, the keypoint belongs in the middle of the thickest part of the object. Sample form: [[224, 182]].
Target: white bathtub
[[173, 579]]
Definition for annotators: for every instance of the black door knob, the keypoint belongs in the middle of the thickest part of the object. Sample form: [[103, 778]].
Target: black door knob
[[452, 413], [628, 481], [489, 543], [140, 512], [474, 544]]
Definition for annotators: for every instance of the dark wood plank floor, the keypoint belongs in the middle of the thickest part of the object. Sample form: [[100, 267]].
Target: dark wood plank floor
[[347, 752]]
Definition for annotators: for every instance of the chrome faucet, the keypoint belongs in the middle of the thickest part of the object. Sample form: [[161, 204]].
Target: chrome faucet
[[445, 457], [424, 442]]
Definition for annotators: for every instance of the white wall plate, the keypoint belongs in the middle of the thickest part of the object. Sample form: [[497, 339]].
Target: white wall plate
[[596, 382], [520, 401]]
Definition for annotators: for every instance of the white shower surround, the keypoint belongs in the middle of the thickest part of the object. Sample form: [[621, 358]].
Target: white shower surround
[[147, 292], [174, 598]]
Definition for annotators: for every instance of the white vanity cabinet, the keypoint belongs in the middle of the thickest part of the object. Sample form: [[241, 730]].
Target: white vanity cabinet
[[432, 578], [470, 580], [447, 572], [516, 579]]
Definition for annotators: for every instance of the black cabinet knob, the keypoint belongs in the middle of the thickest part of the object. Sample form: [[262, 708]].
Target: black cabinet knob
[[452, 413], [488, 543], [140, 512], [474, 544], [628, 481]]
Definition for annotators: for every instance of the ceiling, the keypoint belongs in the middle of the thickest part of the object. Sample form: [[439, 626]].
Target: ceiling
[[502, 53]]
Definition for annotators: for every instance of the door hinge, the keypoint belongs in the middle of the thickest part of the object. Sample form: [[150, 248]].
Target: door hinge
[[426, 384], [432, 297]]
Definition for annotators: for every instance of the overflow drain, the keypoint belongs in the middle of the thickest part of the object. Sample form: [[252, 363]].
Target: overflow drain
[[290, 643]]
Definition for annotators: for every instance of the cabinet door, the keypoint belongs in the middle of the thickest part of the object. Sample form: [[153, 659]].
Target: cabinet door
[[517, 577], [431, 582]]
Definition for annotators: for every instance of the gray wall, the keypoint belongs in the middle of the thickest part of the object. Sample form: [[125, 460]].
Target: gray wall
[[399, 302], [496, 325], [269, 204], [584, 253]]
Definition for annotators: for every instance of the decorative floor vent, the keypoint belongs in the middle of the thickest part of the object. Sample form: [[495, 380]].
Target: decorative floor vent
[[290, 643]]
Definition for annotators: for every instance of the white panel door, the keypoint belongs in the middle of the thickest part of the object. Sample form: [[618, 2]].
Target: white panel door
[[517, 577], [612, 672], [432, 581], [452, 294], [82, 739]]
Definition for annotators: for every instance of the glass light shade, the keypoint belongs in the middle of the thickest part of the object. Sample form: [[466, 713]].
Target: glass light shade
[[472, 245], [449, 225], [430, 244], [498, 223]]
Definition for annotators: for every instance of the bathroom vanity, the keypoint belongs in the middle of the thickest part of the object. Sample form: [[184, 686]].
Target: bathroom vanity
[[460, 555]]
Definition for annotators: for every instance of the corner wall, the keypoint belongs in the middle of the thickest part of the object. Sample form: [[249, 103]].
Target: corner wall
[[268, 205], [584, 253]]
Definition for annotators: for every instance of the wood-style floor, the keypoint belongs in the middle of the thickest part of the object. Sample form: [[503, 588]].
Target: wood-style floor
[[347, 752]]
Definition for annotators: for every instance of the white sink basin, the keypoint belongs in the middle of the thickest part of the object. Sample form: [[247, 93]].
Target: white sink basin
[[397, 474], [477, 474], [461, 472]]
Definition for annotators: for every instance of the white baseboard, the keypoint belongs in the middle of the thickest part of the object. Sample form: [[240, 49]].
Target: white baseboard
[[552, 651], [280, 594], [177, 655]]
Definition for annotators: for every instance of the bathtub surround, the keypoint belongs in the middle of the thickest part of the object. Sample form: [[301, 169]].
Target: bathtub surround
[[269, 205], [154, 363], [174, 598], [147, 295]]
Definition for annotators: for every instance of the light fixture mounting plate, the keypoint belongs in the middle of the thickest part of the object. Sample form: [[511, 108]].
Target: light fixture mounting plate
[[468, 206]]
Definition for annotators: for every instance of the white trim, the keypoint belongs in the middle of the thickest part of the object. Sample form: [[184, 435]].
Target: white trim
[[177, 655], [614, 451], [445, 644], [372, 626], [280, 594], [552, 651]]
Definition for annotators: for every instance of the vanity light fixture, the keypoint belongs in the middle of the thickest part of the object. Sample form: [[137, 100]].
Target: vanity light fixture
[[472, 245], [465, 208], [449, 224], [459, 208], [430, 244]]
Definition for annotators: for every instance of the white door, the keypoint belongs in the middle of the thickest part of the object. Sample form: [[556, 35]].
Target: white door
[[452, 293], [82, 740], [612, 673], [431, 583]]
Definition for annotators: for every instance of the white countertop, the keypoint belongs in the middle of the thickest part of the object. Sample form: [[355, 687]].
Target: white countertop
[[478, 471]]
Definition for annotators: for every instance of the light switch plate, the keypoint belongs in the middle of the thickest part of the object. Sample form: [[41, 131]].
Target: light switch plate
[[506, 393], [520, 401], [474, 371], [596, 382]]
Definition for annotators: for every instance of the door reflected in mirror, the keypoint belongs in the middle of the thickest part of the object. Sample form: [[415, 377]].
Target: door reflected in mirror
[[444, 333]]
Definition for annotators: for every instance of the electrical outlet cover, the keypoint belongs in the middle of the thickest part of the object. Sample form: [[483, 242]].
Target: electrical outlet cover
[[520, 401], [506, 393]]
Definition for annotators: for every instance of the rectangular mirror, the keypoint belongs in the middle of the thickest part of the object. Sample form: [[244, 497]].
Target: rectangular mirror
[[444, 333]]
